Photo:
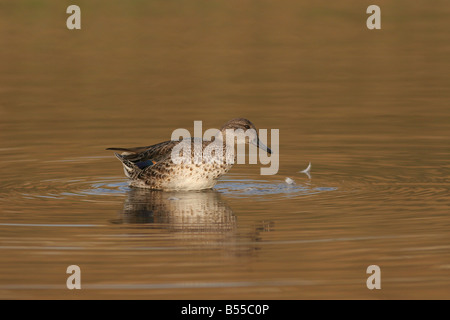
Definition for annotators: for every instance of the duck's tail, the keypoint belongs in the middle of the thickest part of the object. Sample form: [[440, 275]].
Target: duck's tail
[[132, 160], [131, 170]]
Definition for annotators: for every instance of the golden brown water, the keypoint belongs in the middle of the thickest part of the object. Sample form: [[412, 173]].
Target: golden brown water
[[369, 109]]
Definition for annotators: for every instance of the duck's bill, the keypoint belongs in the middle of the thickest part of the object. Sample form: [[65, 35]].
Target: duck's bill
[[262, 146]]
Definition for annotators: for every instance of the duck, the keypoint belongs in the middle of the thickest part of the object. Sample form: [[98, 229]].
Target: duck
[[190, 163]]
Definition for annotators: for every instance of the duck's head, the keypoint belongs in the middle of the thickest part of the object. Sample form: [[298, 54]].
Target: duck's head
[[245, 132]]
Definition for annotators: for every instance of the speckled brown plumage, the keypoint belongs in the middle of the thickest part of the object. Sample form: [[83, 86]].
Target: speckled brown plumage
[[152, 166]]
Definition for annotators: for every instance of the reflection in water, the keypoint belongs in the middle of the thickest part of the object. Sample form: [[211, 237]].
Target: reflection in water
[[188, 211], [200, 219]]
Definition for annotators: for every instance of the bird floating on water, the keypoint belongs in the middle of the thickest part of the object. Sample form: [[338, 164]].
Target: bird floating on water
[[153, 167]]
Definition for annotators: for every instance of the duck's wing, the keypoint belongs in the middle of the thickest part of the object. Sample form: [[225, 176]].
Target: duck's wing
[[136, 160], [153, 153]]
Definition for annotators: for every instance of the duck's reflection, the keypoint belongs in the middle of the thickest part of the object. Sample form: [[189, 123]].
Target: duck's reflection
[[202, 211], [199, 219]]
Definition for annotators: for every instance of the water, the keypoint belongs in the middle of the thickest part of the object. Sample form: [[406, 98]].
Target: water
[[369, 110]]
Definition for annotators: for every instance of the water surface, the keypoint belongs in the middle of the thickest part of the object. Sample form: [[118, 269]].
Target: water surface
[[369, 109]]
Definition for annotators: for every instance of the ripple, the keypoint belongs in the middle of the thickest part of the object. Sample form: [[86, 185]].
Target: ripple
[[83, 188], [360, 188], [411, 186], [365, 187], [79, 188], [48, 225], [109, 188], [246, 188]]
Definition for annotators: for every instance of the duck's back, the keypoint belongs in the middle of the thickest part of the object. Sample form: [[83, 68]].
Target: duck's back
[[153, 167]]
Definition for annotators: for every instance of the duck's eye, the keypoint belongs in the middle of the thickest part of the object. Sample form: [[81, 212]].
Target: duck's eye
[[247, 127]]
